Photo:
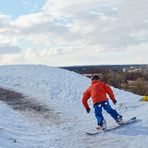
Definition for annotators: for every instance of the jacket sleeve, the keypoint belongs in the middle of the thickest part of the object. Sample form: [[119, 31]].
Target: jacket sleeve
[[86, 96], [109, 92]]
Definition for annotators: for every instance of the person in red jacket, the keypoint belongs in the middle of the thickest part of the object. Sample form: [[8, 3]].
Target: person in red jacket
[[98, 92]]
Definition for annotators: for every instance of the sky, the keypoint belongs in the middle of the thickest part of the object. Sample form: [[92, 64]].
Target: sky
[[68, 33]]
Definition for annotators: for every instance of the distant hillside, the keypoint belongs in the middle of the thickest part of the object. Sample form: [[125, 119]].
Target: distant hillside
[[101, 68], [133, 78]]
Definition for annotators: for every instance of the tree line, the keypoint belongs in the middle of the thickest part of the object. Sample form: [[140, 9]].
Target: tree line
[[136, 82]]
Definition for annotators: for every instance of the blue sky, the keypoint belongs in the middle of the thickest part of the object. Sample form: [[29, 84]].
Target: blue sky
[[16, 8], [80, 32]]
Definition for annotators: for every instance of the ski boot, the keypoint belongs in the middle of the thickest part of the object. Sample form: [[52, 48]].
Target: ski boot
[[119, 120], [102, 126]]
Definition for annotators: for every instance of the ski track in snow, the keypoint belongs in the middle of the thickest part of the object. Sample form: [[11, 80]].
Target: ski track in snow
[[40, 107]]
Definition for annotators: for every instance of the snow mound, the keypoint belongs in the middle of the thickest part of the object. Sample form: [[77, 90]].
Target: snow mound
[[48, 84], [61, 91]]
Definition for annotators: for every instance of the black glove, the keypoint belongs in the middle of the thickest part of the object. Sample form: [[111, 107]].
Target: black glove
[[114, 102], [87, 110]]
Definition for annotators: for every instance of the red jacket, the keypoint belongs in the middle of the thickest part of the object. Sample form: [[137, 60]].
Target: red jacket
[[97, 91]]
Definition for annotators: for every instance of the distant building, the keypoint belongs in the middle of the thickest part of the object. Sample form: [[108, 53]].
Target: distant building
[[132, 69]]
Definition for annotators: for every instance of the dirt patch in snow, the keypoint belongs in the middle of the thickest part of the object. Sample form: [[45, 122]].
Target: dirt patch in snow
[[29, 106]]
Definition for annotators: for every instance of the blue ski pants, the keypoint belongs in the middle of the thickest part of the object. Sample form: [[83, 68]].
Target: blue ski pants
[[98, 111]]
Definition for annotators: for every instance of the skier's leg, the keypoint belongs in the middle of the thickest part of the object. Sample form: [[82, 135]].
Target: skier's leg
[[98, 113], [110, 110]]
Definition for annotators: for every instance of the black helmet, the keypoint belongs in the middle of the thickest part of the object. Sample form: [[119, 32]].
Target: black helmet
[[95, 77]]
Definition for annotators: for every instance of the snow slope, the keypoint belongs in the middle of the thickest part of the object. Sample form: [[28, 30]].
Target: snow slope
[[63, 123]]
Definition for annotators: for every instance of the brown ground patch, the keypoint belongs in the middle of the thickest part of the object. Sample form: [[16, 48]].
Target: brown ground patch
[[28, 106]]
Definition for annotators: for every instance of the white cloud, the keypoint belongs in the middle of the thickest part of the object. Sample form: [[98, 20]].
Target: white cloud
[[51, 52], [106, 23], [48, 52], [62, 8], [29, 20], [10, 58], [64, 26], [101, 23], [7, 48], [4, 20]]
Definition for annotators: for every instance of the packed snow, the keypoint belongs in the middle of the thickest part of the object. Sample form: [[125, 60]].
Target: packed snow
[[52, 115]]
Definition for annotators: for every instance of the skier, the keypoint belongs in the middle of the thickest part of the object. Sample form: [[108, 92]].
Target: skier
[[97, 91]]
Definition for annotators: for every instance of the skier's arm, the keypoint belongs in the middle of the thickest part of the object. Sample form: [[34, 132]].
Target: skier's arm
[[86, 96], [109, 92]]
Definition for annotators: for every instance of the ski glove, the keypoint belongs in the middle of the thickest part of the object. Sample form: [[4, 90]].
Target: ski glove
[[114, 102], [87, 110]]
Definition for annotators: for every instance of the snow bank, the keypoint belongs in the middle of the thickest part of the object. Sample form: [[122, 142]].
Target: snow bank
[[62, 90], [48, 84]]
